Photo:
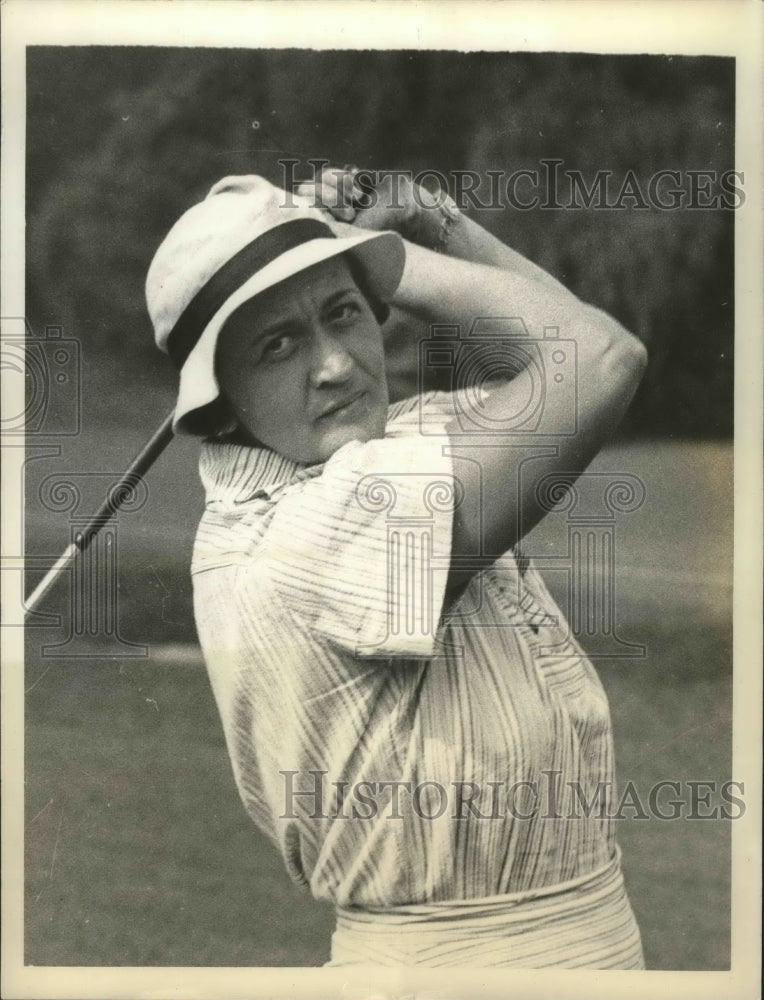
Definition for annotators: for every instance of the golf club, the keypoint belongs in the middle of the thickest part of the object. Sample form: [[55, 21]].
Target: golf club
[[117, 496]]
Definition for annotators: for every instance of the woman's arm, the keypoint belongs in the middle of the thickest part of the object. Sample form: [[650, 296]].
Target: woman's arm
[[428, 222], [499, 469], [478, 277]]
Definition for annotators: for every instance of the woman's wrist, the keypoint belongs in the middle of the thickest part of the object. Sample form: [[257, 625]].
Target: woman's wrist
[[431, 219]]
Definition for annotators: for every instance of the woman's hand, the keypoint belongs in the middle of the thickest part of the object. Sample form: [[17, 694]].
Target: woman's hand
[[345, 196]]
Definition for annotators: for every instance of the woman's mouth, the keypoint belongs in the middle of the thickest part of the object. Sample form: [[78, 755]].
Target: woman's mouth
[[341, 407]]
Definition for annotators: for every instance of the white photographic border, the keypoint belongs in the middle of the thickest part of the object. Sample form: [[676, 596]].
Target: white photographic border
[[681, 27]]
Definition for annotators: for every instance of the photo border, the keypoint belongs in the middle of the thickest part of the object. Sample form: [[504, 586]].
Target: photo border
[[680, 27]]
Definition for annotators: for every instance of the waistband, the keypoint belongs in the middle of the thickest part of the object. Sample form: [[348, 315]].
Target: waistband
[[559, 897], [584, 923]]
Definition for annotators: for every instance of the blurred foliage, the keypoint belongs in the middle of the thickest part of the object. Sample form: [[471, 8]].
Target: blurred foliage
[[120, 141]]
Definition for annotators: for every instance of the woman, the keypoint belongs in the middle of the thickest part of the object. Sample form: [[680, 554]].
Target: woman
[[407, 717]]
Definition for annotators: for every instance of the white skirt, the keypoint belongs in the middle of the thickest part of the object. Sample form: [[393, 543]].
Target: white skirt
[[586, 923]]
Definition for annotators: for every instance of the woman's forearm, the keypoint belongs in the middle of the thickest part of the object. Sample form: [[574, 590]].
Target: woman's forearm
[[606, 364], [454, 234], [459, 291]]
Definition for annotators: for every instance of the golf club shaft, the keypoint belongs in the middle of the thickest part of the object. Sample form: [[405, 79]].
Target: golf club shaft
[[118, 495]]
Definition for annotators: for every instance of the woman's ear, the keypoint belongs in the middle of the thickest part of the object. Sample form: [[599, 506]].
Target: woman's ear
[[227, 422], [212, 422]]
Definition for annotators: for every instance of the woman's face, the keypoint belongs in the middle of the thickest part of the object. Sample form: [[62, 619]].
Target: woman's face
[[302, 364]]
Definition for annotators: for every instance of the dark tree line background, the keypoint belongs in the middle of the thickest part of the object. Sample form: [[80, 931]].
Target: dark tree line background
[[121, 140]]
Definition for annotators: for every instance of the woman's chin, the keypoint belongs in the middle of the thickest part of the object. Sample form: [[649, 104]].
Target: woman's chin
[[340, 436]]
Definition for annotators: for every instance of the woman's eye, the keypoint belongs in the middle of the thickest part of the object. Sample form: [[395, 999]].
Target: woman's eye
[[344, 312], [278, 348]]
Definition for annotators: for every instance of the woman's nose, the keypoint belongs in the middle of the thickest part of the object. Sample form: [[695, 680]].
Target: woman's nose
[[331, 360]]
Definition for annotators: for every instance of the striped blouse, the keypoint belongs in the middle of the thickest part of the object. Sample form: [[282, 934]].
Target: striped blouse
[[396, 748]]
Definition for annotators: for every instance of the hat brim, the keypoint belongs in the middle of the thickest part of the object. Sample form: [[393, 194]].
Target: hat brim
[[381, 255]]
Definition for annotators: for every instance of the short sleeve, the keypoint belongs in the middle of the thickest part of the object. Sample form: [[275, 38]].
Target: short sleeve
[[362, 550]]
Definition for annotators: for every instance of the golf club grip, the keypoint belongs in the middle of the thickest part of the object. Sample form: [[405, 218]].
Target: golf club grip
[[118, 495]]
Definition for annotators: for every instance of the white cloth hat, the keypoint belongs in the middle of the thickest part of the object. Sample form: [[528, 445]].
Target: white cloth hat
[[246, 236]]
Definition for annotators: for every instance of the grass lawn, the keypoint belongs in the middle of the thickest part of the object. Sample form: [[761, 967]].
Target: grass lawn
[[138, 851]]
